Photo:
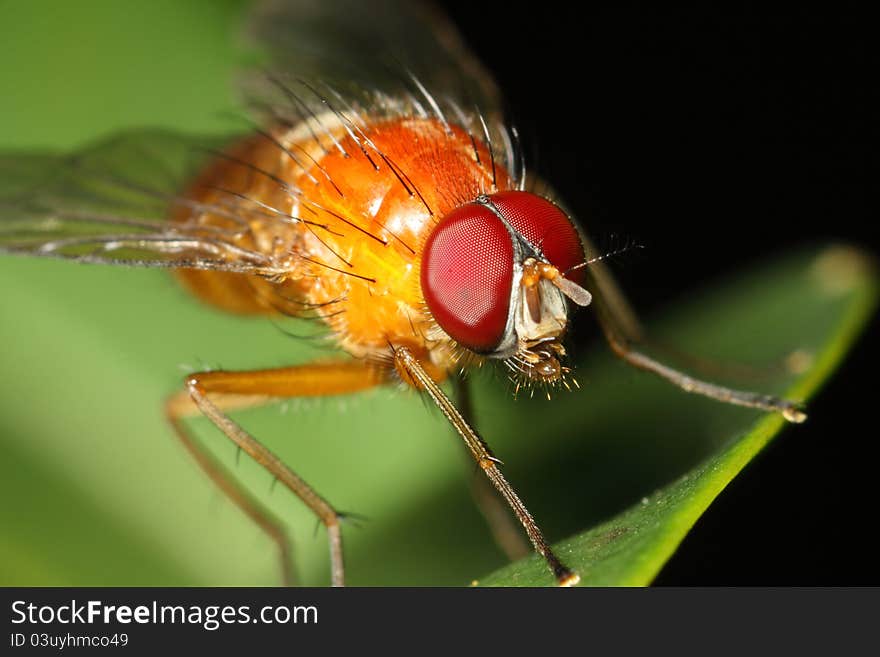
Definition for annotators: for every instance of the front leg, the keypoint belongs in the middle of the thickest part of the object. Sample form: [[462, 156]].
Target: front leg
[[421, 380], [622, 329]]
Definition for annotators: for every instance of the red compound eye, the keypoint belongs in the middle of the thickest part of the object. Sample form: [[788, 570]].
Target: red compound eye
[[545, 226], [467, 275]]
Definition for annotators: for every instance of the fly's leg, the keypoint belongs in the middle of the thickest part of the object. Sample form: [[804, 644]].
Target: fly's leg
[[177, 408], [789, 410], [498, 515], [408, 365], [622, 328], [215, 393]]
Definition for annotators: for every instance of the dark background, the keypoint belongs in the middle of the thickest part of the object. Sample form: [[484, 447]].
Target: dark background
[[717, 137]]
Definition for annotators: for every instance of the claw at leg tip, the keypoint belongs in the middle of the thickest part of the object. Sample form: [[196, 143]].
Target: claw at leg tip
[[569, 580]]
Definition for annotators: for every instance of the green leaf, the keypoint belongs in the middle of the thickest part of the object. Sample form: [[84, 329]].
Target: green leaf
[[818, 303]]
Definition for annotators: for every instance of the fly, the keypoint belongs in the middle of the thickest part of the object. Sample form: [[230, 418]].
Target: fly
[[389, 202]]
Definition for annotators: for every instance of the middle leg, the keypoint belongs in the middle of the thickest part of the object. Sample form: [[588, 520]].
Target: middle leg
[[214, 393]]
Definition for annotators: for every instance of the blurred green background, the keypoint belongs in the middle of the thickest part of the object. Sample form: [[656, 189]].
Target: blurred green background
[[96, 491]]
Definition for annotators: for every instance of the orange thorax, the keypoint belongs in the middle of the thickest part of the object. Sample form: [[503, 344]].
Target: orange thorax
[[345, 217]]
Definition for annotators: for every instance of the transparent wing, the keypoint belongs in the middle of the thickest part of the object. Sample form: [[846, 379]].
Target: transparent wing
[[354, 61], [380, 45], [114, 203]]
